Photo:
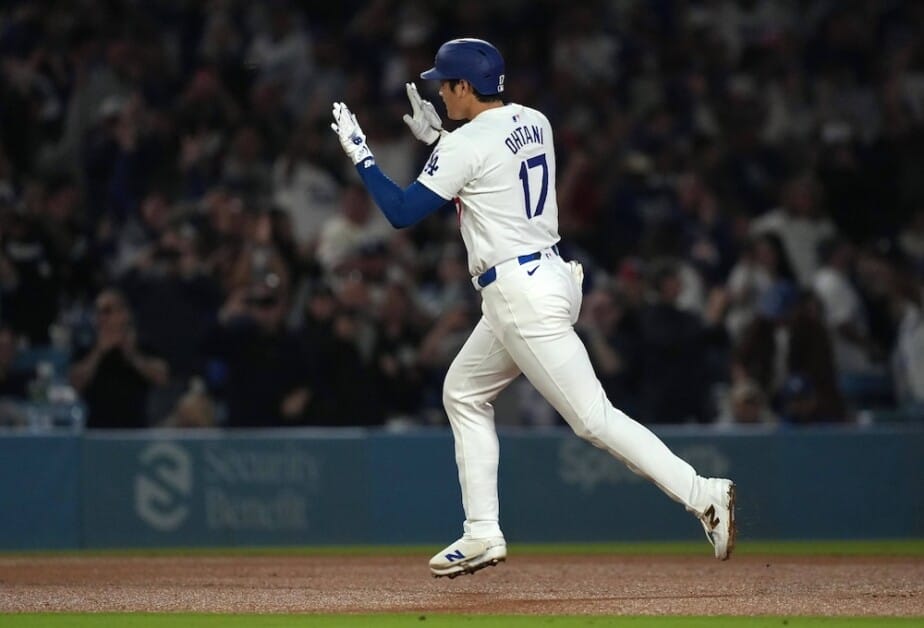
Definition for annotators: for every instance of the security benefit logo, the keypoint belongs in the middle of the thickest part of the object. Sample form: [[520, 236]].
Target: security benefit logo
[[225, 486], [163, 486], [259, 490]]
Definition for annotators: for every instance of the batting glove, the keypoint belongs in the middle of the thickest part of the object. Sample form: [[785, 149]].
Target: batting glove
[[425, 123], [352, 138]]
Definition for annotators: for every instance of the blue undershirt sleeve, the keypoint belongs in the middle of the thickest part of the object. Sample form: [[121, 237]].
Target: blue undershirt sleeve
[[403, 208]]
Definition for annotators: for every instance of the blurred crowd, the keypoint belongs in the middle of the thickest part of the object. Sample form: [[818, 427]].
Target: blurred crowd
[[180, 230]]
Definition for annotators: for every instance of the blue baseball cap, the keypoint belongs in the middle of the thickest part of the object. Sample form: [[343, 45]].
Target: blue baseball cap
[[474, 60]]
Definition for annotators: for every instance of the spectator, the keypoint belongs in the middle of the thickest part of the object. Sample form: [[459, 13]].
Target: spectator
[[259, 255], [394, 355], [763, 264], [450, 285], [707, 229], [121, 152], [875, 268], [257, 368], [746, 404], [14, 383], [175, 302], [222, 46], [609, 331], [585, 48], [760, 353], [205, 114], [439, 346], [321, 307], [281, 51], [32, 273], [62, 219], [811, 366], [801, 226], [845, 315], [786, 351], [116, 374], [339, 342], [907, 359], [141, 233], [671, 339], [304, 187], [9, 278], [245, 169], [194, 409], [92, 81], [356, 225]]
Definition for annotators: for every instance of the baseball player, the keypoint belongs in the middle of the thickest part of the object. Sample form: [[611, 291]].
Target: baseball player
[[499, 170]]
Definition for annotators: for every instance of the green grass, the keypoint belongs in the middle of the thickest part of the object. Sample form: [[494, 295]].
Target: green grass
[[140, 620], [891, 547]]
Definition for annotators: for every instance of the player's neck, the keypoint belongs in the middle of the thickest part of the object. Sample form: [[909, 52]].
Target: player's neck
[[479, 107]]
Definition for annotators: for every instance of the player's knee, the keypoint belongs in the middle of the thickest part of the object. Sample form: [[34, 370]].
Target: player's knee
[[601, 423], [588, 424], [450, 397], [583, 429], [453, 393], [456, 395]]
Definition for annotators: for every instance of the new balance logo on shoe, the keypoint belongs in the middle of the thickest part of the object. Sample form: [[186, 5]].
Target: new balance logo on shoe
[[718, 519], [456, 555], [468, 556]]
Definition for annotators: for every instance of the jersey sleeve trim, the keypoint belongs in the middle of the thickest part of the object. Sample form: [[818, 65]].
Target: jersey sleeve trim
[[424, 185]]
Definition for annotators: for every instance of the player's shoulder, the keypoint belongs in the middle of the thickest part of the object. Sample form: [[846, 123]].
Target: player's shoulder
[[476, 136], [533, 113], [500, 119], [461, 138]]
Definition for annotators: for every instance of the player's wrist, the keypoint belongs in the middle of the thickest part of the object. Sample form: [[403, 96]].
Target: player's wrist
[[360, 153]]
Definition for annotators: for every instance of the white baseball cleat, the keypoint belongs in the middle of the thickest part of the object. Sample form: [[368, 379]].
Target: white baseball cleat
[[719, 520], [467, 556]]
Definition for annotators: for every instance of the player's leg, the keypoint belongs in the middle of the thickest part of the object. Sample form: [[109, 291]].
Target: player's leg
[[477, 375], [534, 320]]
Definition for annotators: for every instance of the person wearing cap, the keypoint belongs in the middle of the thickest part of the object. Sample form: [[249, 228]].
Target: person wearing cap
[[498, 169]]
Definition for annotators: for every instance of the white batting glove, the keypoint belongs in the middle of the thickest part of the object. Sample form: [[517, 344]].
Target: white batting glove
[[352, 138], [425, 123]]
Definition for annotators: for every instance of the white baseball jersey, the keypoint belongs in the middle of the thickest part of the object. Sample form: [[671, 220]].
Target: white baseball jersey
[[501, 169]]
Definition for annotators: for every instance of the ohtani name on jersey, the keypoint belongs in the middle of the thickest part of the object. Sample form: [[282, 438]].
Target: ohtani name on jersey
[[523, 135]]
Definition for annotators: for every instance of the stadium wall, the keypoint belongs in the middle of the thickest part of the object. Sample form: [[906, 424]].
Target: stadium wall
[[293, 487]]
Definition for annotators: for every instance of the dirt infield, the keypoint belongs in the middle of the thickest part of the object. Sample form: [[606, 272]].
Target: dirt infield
[[593, 585]]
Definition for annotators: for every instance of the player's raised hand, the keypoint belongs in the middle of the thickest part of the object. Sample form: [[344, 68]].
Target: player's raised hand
[[351, 136], [425, 124]]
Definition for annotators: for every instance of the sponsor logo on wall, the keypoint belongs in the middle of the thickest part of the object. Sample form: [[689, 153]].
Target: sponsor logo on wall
[[258, 489], [240, 488], [163, 485]]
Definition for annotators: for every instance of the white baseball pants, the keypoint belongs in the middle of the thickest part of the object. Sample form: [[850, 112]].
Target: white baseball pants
[[527, 321]]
